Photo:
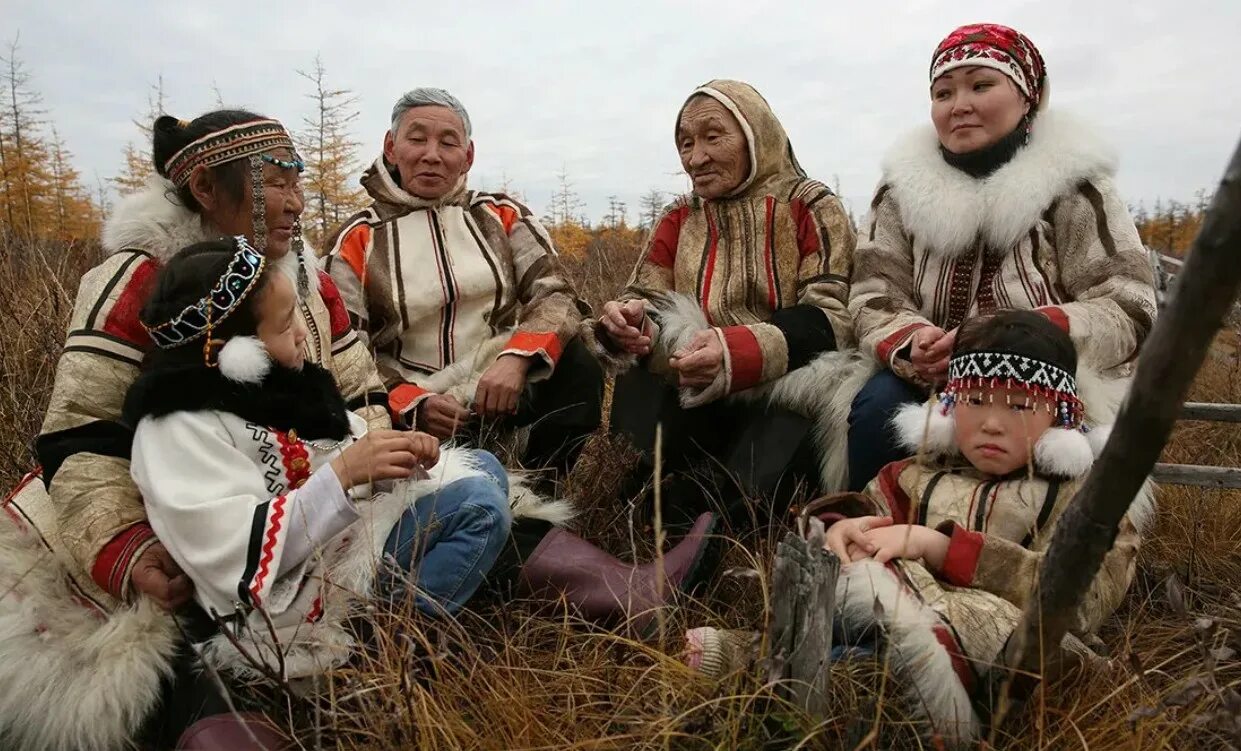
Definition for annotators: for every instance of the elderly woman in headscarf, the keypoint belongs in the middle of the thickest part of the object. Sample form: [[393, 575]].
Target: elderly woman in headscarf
[[87, 650], [999, 203], [737, 311]]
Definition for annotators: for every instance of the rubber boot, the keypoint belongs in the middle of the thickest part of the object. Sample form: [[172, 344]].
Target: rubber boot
[[604, 588], [243, 731]]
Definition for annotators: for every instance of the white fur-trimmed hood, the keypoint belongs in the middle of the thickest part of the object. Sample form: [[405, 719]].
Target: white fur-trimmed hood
[[949, 210], [154, 220]]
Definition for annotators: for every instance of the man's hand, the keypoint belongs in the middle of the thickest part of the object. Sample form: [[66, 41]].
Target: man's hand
[[441, 416], [624, 323], [156, 575], [930, 349], [908, 541], [501, 386], [847, 537], [700, 361]]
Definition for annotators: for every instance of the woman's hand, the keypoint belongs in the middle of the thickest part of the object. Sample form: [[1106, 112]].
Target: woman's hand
[[930, 349], [627, 325], [441, 415], [381, 455], [699, 362], [908, 541], [848, 536], [425, 448]]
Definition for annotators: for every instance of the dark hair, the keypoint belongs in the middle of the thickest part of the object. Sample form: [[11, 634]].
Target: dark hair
[[187, 278], [169, 135], [1020, 332]]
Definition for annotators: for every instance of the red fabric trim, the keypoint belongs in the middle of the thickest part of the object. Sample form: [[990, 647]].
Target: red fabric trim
[[295, 457], [890, 485], [113, 561], [353, 249], [316, 611], [664, 241], [960, 665], [961, 561], [534, 342], [769, 253], [713, 244], [889, 344], [274, 523], [506, 214], [1056, 315], [401, 398], [27, 478], [807, 233], [338, 315], [122, 321], [745, 356]]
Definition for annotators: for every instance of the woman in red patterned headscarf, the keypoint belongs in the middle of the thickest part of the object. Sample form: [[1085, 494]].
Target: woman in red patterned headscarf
[[1000, 204]]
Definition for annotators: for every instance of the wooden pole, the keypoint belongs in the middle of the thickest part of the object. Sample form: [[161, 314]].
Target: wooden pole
[[1204, 292]]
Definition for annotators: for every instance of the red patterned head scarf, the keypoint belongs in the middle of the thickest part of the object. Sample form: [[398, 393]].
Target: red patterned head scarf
[[991, 45]]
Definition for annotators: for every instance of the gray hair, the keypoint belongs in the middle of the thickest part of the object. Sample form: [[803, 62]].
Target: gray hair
[[425, 96]]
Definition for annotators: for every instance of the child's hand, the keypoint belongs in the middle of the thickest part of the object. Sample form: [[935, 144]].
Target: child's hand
[[378, 455], [908, 541], [425, 448], [848, 536]]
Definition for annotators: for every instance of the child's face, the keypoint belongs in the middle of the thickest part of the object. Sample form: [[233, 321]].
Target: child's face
[[998, 427], [281, 328]]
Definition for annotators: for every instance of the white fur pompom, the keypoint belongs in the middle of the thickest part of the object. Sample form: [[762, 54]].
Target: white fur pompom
[[1063, 452], [244, 359], [936, 435]]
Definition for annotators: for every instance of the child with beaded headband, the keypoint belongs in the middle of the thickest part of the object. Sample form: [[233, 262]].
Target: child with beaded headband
[[263, 486], [948, 543]]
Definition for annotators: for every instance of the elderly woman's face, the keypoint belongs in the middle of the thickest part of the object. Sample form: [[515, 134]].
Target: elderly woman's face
[[973, 108], [430, 151], [713, 148], [282, 197]]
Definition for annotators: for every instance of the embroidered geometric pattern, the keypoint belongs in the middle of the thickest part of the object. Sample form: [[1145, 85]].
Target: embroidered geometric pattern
[[270, 538], [232, 288], [1006, 366], [993, 46], [273, 474], [227, 145]]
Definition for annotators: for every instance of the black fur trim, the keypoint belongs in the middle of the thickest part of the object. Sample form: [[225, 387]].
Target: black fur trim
[[305, 400]]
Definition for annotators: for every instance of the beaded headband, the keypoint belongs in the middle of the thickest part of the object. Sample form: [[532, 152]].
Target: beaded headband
[[980, 370], [226, 296], [229, 144]]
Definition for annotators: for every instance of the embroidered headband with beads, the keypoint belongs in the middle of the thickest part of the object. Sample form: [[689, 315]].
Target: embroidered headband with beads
[[229, 144], [229, 292], [978, 370]]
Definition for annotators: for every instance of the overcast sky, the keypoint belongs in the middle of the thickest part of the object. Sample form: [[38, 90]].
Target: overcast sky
[[593, 87]]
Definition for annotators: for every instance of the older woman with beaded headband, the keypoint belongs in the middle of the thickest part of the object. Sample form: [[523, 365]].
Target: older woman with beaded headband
[[999, 203], [225, 173]]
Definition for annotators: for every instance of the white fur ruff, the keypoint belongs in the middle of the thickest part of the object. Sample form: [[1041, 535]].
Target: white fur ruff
[[867, 593], [71, 676], [950, 211], [244, 359]]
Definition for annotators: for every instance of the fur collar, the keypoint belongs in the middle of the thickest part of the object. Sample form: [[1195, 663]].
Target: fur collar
[[306, 400], [155, 221], [949, 210]]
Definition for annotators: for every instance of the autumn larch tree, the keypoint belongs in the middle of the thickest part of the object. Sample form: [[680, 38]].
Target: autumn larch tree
[[138, 166], [331, 157]]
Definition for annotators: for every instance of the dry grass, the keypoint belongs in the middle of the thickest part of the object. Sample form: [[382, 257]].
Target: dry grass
[[509, 677]]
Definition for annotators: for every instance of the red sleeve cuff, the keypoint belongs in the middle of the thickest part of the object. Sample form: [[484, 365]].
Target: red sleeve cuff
[[745, 357], [964, 548], [1056, 315], [113, 564], [535, 344], [893, 342], [404, 399]]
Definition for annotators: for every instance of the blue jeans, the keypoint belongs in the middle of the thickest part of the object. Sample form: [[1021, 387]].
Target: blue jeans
[[448, 541], [872, 441]]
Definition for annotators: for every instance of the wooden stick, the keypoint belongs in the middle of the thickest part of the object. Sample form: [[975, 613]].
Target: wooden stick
[[1205, 290], [1211, 412], [1197, 476]]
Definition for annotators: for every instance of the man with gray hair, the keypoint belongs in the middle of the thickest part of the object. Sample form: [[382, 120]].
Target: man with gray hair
[[461, 295]]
